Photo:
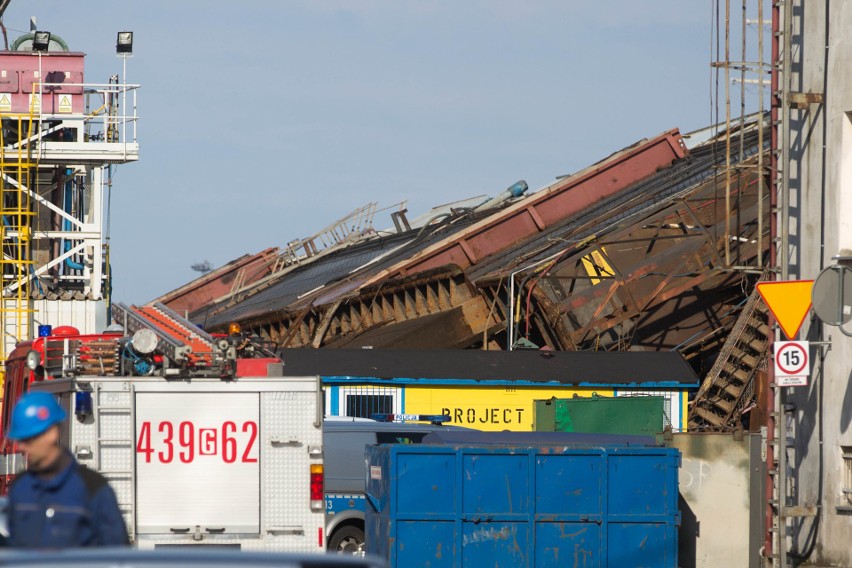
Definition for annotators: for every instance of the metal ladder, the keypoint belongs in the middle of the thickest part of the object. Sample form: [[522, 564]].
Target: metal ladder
[[119, 475], [16, 175], [179, 338]]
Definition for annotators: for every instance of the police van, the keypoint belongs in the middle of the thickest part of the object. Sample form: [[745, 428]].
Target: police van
[[344, 440]]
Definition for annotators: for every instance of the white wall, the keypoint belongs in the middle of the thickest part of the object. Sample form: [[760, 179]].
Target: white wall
[[88, 316], [825, 230], [714, 490]]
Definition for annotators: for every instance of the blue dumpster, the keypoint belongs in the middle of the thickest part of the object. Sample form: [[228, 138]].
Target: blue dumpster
[[523, 500]]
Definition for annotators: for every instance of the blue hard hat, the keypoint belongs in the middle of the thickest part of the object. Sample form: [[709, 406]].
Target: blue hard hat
[[34, 414]]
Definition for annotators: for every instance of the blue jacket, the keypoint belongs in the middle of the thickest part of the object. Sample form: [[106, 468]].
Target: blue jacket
[[76, 507]]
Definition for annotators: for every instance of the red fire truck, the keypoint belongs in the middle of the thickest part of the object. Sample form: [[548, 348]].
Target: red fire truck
[[201, 437]]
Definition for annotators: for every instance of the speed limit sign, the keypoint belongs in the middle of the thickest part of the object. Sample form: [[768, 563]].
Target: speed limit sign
[[792, 363]]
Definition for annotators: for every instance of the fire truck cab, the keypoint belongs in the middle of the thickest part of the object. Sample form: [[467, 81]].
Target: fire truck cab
[[202, 446]]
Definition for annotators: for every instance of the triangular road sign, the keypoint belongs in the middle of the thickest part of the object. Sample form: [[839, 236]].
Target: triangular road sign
[[789, 302]]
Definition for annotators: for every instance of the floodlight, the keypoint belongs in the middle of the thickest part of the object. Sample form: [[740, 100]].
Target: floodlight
[[41, 41], [124, 42]]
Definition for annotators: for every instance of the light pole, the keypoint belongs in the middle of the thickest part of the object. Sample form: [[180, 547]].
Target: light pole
[[41, 43], [124, 49]]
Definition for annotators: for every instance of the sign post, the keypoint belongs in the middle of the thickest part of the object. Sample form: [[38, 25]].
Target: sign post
[[789, 301]]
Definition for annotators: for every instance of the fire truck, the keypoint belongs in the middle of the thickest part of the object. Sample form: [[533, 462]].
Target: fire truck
[[203, 440]]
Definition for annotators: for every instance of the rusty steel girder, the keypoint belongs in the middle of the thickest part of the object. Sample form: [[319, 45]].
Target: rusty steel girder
[[354, 319]]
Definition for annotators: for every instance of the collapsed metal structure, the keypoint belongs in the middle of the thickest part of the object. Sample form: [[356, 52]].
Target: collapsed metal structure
[[655, 248]]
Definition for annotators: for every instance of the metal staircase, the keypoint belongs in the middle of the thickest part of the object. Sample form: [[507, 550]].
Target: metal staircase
[[728, 387]]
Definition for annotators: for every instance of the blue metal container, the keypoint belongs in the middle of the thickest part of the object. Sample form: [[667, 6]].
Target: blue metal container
[[521, 504]]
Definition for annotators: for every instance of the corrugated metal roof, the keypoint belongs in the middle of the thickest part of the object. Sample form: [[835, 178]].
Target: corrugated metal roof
[[208, 288], [331, 276]]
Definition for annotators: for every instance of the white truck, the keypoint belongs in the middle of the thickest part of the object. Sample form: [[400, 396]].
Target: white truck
[[221, 451]]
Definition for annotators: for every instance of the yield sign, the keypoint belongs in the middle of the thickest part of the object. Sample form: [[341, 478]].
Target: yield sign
[[789, 302]]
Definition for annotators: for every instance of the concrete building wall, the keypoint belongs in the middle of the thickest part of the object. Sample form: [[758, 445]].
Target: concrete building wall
[[714, 500], [821, 227]]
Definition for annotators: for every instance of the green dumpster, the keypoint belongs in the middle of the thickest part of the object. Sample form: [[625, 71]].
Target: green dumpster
[[601, 415]]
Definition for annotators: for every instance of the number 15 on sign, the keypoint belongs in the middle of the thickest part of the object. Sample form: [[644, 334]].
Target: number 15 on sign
[[792, 363]]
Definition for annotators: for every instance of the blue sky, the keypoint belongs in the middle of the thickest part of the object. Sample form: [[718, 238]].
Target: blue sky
[[264, 121]]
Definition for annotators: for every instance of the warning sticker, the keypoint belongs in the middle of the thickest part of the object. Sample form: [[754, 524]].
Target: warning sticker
[[5, 103], [65, 104], [35, 102], [375, 472]]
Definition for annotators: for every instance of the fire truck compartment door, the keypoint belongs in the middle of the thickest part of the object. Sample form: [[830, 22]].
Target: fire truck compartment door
[[197, 463]]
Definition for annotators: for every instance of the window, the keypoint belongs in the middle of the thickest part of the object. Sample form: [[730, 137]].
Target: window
[[362, 401], [399, 437], [843, 194], [846, 487], [16, 386], [365, 405]]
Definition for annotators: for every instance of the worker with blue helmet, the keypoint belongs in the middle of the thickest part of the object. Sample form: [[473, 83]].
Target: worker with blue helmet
[[56, 502], [35, 413]]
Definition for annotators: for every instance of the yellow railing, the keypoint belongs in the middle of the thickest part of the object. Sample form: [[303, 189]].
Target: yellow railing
[[16, 225]]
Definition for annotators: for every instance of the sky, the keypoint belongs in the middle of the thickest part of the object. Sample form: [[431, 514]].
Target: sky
[[263, 121]]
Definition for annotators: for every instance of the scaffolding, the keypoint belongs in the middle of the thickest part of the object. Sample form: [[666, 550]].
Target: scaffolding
[[753, 68], [745, 78], [16, 165]]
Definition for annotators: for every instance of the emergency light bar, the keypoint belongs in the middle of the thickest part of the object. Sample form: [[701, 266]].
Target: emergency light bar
[[433, 418]]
